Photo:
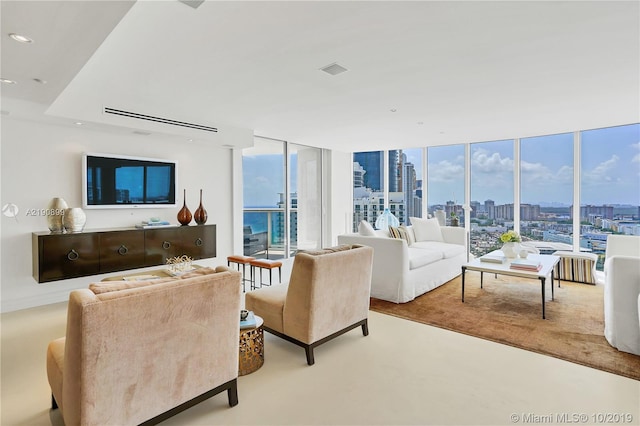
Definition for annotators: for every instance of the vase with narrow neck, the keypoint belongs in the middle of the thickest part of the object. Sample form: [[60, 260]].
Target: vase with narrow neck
[[200, 215], [184, 215], [386, 219]]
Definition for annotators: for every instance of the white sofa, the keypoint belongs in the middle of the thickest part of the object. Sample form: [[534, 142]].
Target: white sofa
[[622, 293], [403, 270]]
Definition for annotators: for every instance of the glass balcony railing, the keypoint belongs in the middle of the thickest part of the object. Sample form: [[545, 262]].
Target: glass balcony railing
[[264, 235]]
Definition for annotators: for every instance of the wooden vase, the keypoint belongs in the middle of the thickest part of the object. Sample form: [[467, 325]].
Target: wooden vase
[[200, 215], [184, 215]]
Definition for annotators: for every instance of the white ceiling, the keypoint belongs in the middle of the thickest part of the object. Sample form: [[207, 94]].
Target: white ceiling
[[467, 70]]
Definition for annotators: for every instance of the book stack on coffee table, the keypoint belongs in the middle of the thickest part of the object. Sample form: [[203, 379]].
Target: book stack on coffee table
[[526, 265]]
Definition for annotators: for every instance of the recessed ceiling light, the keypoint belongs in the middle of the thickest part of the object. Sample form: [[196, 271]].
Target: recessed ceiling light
[[140, 132], [7, 81], [20, 38], [393, 110], [40, 81], [189, 140], [226, 145], [420, 122], [79, 123]]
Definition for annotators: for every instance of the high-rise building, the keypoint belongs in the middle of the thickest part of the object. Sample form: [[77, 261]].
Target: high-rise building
[[373, 165], [490, 209], [396, 159], [358, 175], [605, 212]]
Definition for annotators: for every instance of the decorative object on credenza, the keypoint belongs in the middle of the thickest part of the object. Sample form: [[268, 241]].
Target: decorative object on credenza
[[184, 215], [74, 219], [510, 245], [55, 212], [387, 219], [179, 264], [200, 215]]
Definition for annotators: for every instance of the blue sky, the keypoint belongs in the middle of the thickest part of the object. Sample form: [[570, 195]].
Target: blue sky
[[610, 170]]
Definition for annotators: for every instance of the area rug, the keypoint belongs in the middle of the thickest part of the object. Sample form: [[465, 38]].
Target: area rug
[[508, 310]]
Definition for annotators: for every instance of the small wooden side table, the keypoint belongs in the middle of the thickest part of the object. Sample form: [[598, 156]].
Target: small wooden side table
[[251, 348]]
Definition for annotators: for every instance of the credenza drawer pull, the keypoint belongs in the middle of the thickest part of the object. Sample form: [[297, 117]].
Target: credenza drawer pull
[[73, 255], [166, 245], [198, 242], [123, 250]]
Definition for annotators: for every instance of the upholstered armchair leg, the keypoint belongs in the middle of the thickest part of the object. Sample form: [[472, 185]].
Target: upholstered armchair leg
[[232, 394], [365, 327], [54, 404], [309, 350]]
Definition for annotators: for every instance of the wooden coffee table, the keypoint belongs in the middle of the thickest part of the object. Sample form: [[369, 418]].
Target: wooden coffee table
[[547, 261]]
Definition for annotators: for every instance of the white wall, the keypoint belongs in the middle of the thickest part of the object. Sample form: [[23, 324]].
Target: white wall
[[41, 161]]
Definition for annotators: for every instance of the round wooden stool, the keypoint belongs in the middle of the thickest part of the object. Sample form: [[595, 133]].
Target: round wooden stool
[[240, 260], [264, 264]]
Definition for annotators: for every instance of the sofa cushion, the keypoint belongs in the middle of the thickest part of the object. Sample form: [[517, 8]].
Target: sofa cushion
[[327, 250], [365, 228], [269, 303], [401, 232], [108, 286], [426, 229], [419, 257], [447, 250]]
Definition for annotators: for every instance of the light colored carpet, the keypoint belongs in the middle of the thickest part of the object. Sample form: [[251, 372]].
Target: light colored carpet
[[508, 310]]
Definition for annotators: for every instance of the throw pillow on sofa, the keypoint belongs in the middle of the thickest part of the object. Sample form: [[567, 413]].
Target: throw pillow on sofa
[[402, 232], [426, 229], [365, 228]]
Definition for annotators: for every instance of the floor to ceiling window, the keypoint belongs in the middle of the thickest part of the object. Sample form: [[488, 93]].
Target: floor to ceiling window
[[546, 190], [263, 173], [282, 198], [445, 183], [609, 185], [492, 172]]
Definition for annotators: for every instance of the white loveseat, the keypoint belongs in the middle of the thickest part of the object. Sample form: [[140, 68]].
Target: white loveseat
[[403, 270]]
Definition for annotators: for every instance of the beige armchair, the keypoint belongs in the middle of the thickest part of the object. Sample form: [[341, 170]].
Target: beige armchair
[[140, 352], [327, 295]]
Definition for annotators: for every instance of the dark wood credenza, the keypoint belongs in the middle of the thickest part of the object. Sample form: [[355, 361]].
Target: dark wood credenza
[[62, 256]]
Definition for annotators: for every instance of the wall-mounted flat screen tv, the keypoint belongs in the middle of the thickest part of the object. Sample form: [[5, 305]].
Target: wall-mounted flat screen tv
[[117, 181]]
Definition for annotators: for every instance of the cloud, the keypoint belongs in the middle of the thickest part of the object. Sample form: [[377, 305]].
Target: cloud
[[601, 174], [445, 171], [484, 162]]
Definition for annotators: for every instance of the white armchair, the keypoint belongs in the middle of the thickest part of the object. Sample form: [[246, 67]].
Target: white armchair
[[621, 293]]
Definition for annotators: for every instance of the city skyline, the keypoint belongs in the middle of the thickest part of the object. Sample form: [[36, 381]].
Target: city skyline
[[610, 171]]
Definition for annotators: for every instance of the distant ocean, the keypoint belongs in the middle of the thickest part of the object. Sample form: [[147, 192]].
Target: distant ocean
[[257, 221]]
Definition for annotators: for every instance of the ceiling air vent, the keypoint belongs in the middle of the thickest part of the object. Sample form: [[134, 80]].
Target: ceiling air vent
[[193, 3], [138, 116], [334, 69]]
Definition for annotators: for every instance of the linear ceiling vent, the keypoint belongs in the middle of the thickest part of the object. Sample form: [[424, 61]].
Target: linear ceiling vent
[[129, 114]]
